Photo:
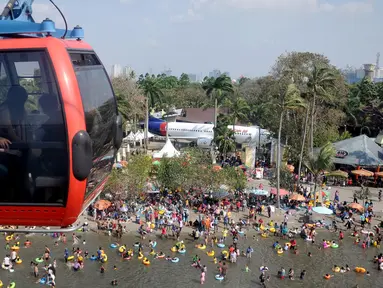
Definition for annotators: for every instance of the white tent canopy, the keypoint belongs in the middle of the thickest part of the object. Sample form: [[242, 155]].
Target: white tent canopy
[[167, 151]]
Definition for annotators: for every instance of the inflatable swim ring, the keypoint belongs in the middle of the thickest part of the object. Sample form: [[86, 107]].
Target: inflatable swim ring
[[220, 245], [9, 237], [201, 247], [152, 252], [43, 280], [146, 262], [241, 232], [39, 259], [264, 235], [326, 277], [182, 251], [161, 256], [154, 244], [173, 249], [18, 260], [11, 270], [140, 256], [122, 249], [14, 247], [3, 266], [334, 245], [210, 253], [280, 251], [137, 244], [360, 270], [1, 283], [336, 269], [175, 260], [27, 243], [113, 245], [12, 285], [104, 258], [225, 254], [219, 277], [272, 230], [93, 258]]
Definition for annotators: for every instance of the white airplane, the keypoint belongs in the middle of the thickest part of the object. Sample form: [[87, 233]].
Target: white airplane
[[202, 134]]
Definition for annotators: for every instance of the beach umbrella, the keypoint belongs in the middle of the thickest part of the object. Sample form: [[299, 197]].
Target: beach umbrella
[[323, 210], [297, 197], [259, 192], [363, 172], [156, 163], [282, 192], [102, 204], [356, 206]]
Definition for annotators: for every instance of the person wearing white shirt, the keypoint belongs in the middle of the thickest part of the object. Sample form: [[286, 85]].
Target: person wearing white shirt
[[13, 256], [7, 261]]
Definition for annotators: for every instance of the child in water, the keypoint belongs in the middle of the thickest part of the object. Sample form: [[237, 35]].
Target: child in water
[[303, 273], [102, 269], [202, 277], [247, 269]]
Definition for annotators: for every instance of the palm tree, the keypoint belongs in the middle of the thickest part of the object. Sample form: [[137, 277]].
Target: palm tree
[[224, 139], [238, 109], [320, 163], [290, 99], [305, 125], [215, 88], [319, 83], [151, 88]]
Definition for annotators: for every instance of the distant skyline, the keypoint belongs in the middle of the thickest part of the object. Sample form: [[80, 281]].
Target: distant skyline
[[244, 37]]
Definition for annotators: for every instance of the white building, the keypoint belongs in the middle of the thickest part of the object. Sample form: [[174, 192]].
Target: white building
[[126, 71], [116, 71]]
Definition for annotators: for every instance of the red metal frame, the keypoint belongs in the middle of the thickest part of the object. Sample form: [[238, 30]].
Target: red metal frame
[[75, 121]]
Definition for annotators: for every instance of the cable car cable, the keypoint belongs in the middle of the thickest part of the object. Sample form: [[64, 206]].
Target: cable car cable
[[62, 15]]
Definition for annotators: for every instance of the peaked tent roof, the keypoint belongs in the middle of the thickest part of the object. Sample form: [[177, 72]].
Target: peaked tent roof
[[360, 150], [167, 151]]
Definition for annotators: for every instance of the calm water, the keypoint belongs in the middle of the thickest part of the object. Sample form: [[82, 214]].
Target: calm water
[[162, 273]]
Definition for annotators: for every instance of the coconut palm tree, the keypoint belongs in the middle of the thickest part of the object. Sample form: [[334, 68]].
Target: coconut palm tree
[[225, 139], [320, 163], [238, 109], [289, 99], [152, 90], [319, 83], [215, 88]]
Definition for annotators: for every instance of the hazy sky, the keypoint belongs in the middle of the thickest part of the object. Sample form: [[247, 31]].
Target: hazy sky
[[243, 37]]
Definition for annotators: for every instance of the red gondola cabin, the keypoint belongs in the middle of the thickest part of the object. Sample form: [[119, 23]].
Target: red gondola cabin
[[59, 130]]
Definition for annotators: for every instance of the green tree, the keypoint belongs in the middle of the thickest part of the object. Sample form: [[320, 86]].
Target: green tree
[[151, 87], [320, 81], [238, 108], [224, 139], [316, 165], [216, 88], [287, 99], [130, 98], [184, 80], [131, 179]]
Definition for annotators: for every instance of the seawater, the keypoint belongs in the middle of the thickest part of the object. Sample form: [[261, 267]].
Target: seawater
[[162, 273]]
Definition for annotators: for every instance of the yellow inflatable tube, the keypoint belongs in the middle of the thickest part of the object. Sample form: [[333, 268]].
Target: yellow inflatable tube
[[210, 253]]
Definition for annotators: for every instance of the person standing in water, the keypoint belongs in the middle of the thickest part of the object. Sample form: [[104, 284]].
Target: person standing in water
[[202, 276]]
